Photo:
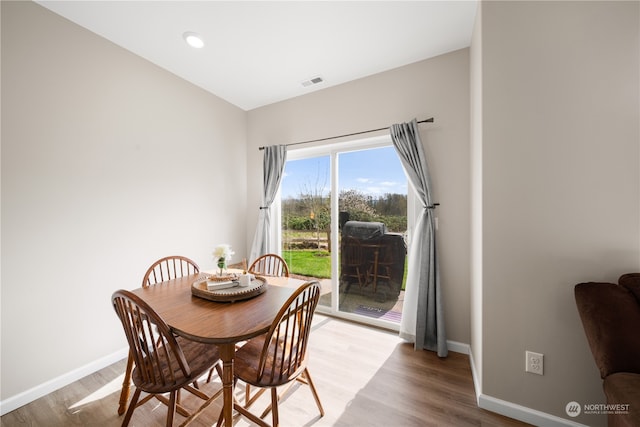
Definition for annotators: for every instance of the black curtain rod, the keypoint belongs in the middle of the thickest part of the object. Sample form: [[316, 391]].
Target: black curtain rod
[[429, 120]]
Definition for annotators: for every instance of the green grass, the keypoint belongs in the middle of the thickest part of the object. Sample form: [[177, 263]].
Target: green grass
[[311, 263]]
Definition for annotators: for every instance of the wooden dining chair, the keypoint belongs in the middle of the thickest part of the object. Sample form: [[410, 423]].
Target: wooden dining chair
[[165, 363], [270, 265], [280, 357], [167, 268]]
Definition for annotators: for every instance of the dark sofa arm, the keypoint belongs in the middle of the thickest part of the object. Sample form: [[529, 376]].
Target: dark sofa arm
[[631, 281], [611, 319]]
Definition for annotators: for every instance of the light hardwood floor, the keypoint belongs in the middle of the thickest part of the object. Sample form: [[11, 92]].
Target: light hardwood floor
[[365, 377]]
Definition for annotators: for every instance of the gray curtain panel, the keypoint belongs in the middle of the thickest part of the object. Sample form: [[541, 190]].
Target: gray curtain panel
[[422, 319], [274, 159]]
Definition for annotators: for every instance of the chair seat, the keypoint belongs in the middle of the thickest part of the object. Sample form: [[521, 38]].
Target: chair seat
[[246, 365], [201, 357]]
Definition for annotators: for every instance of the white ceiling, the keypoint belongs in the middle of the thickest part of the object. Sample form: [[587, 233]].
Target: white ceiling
[[257, 53]]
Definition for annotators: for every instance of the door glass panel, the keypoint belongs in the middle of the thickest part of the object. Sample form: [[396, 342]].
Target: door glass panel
[[367, 276], [306, 220], [373, 223]]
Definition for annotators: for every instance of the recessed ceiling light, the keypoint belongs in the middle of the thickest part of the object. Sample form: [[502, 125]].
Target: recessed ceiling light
[[193, 39]]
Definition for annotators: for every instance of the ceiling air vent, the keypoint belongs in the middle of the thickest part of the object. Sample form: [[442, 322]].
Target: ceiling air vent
[[312, 81]]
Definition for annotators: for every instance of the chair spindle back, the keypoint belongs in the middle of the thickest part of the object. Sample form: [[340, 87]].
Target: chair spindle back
[[270, 265], [284, 352], [169, 268]]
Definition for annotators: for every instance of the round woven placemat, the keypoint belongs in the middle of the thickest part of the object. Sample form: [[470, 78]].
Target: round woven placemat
[[258, 286]]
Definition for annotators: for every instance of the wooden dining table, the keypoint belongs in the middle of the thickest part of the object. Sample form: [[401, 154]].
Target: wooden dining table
[[221, 323]]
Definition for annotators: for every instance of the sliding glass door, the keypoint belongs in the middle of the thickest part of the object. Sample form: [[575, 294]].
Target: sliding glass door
[[344, 223]]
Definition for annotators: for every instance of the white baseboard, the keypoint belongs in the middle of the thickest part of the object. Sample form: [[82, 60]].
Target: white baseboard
[[522, 413], [474, 376], [512, 410], [458, 347], [28, 396]]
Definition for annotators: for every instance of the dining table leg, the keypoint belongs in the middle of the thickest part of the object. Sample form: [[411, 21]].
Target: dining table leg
[[227, 354]]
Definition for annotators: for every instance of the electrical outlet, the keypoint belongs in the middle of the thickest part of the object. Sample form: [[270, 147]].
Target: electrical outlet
[[535, 362]]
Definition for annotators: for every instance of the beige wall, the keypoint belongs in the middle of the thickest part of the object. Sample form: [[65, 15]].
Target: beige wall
[[108, 163], [437, 87], [560, 187]]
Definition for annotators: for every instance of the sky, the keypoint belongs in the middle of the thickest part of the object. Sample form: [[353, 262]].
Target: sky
[[372, 172]]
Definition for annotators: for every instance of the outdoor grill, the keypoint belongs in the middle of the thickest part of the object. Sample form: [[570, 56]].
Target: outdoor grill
[[364, 230], [391, 254]]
